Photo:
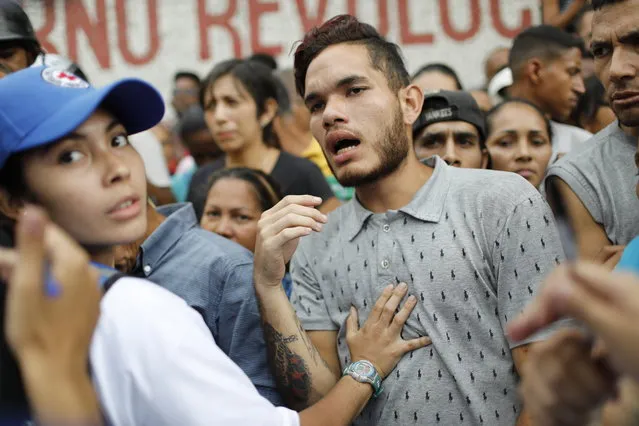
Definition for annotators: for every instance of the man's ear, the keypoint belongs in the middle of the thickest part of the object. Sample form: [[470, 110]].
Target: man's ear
[[411, 100], [270, 111], [534, 71], [9, 206]]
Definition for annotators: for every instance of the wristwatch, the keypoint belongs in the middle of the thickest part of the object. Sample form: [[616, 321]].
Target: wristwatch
[[364, 372]]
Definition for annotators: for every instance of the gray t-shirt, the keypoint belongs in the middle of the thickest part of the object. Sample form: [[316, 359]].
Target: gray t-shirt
[[603, 174], [473, 246]]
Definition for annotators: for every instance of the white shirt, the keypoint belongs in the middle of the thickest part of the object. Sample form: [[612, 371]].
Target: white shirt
[[150, 149], [155, 363], [566, 137]]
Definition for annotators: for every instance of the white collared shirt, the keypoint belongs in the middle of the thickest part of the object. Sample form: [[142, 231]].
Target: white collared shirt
[[155, 363]]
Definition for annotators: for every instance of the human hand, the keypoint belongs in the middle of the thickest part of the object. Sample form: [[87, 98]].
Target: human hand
[[608, 303], [42, 329], [563, 383], [279, 231], [379, 339]]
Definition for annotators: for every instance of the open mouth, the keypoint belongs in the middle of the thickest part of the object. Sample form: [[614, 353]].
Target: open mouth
[[345, 145]]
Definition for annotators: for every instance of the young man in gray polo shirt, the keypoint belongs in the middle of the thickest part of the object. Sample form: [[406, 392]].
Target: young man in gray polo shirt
[[472, 246]]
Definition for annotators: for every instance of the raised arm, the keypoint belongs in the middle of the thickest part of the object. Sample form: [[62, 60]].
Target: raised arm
[[304, 376]]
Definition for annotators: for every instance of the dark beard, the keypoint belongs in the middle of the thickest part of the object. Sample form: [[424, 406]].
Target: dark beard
[[392, 149]]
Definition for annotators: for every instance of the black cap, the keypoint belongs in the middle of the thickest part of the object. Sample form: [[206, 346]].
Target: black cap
[[15, 24], [444, 105]]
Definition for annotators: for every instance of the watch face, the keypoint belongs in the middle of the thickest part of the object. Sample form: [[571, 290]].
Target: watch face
[[364, 369]]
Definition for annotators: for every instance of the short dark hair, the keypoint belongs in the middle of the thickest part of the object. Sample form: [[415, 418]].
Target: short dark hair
[[598, 4], [266, 188], [265, 59], [384, 55], [256, 78], [187, 74], [441, 68], [542, 41], [494, 110]]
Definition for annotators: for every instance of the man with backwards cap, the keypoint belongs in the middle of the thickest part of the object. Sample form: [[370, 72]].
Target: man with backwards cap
[[451, 125], [19, 46]]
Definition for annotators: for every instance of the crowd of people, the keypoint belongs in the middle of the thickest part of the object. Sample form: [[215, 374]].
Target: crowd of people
[[332, 244]]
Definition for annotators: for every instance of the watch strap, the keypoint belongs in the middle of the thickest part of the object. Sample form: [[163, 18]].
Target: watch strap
[[375, 381]]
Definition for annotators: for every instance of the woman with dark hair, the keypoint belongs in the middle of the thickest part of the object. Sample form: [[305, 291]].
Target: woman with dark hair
[[239, 99], [519, 136], [236, 198], [437, 76], [592, 113]]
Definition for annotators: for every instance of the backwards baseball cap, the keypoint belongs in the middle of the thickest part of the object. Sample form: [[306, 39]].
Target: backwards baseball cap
[[15, 24], [444, 105], [41, 105]]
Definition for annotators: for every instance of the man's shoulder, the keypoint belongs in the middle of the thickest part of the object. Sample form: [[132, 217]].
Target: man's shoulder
[[589, 154], [206, 247], [487, 189], [337, 220]]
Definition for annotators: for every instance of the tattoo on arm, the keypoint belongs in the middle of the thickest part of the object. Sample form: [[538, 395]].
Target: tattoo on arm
[[292, 377]]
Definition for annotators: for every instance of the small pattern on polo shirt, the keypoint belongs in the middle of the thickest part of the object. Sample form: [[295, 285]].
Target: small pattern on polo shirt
[[473, 247]]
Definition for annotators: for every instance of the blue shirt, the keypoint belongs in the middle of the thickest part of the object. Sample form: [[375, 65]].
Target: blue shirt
[[630, 258], [215, 277], [180, 184]]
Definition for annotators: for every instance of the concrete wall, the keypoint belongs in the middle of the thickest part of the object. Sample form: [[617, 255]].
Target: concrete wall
[[152, 38]]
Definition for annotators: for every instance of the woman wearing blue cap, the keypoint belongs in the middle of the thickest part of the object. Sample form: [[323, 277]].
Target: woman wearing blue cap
[[64, 146]]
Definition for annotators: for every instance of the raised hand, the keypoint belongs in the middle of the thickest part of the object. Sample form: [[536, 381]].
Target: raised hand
[[279, 231], [50, 331]]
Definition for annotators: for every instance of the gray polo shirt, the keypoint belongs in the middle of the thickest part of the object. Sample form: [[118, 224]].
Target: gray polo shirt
[[473, 246], [603, 174]]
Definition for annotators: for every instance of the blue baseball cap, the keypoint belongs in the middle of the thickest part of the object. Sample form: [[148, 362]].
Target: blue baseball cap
[[40, 105]]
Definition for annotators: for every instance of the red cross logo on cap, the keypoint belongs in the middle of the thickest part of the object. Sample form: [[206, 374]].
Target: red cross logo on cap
[[63, 75], [63, 78]]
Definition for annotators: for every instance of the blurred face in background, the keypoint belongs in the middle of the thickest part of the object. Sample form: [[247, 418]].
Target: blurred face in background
[[232, 210], [231, 115], [202, 147], [13, 57], [519, 142], [456, 142], [561, 84], [434, 80], [185, 94]]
